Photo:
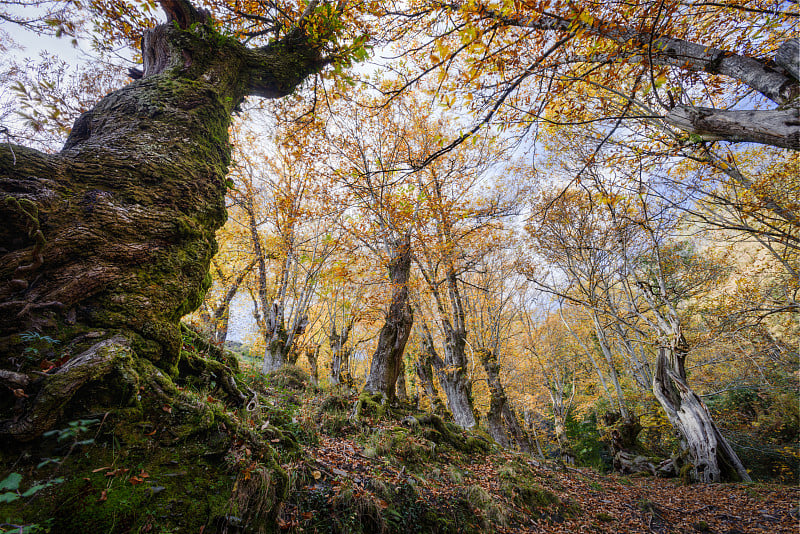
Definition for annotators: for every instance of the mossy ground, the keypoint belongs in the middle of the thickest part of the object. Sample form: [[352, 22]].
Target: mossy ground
[[301, 460]]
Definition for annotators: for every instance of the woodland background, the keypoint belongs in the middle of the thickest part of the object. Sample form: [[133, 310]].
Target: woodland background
[[569, 224]]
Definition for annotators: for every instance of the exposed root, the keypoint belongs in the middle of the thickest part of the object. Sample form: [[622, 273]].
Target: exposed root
[[58, 388], [439, 432], [219, 363], [369, 405]]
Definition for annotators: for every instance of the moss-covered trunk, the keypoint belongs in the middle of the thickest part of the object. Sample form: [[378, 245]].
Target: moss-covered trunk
[[111, 238], [424, 370]]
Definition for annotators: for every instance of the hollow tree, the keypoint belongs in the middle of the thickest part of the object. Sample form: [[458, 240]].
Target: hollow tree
[[108, 242]]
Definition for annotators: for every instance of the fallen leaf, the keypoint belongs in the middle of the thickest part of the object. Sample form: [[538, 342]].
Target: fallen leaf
[[103, 496], [316, 474], [167, 408]]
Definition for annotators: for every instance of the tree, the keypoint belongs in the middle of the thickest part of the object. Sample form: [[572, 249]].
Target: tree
[[367, 149], [491, 317], [580, 267], [343, 305], [660, 272], [280, 192], [109, 240], [556, 360], [676, 71]]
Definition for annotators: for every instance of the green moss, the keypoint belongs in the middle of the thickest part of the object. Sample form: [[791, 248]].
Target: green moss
[[604, 517], [687, 473], [371, 405], [399, 443], [113, 490], [289, 376], [491, 511]]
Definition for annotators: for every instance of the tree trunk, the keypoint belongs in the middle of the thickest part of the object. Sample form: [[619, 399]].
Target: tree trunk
[[402, 391], [452, 373], [560, 430], [458, 392], [111, 238], [712, 456], [340, 355], [425, 374], [385, 366], [312, 354], [503, 424], [340, 362], [221, 316], [280, 342], [605, 348]]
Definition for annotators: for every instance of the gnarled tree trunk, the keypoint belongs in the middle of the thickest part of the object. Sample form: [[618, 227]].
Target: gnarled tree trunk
[[400, 388], [340, 355], [107, 244], [385, 366], [312, 355], [712, 456], [503, 424], [425, 374], [452, 373]]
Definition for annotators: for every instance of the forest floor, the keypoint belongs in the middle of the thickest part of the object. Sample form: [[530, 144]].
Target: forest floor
[[598, 502], [339, 470], [382, 469]]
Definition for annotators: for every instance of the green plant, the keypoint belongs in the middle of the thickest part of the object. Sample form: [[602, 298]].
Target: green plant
[[584, 437], [37, 344], [11, 492], [72, 430]]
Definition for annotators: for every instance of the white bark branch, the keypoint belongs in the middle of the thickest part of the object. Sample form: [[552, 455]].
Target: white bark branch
[[779, 128]]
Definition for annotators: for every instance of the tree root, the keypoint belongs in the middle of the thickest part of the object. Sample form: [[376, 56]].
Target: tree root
[[58, 388], [369, 404], [219, 363], [439, 432]]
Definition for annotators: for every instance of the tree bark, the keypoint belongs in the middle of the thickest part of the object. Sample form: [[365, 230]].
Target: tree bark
[[503, 424], [113, 235], [401, 390], [312, 355], [602, 341], [425, 374], [340, 358], [779, 127], [712, 457], [452, 373], [385, 366]]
